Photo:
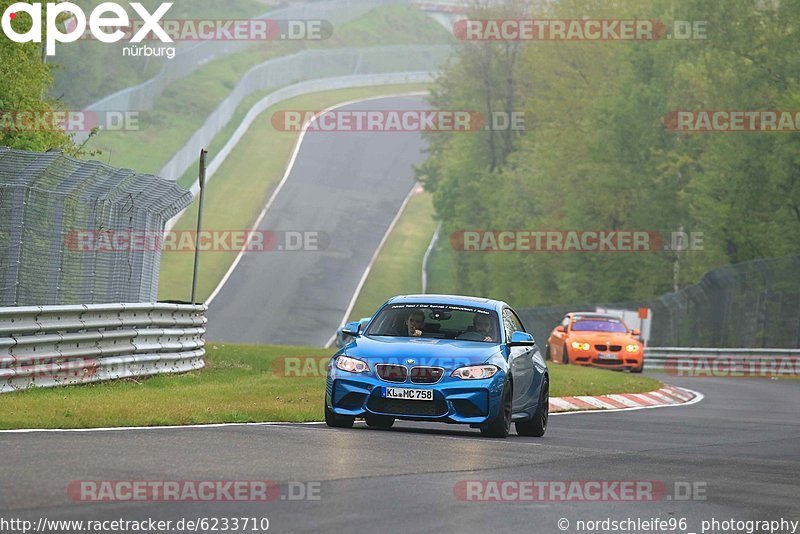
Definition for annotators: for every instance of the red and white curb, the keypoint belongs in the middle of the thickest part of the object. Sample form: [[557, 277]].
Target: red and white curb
[[666, 396]]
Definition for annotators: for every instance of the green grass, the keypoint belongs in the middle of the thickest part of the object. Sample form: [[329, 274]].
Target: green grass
[[241, 383], [240, 188], [398, 268], [183, 107]]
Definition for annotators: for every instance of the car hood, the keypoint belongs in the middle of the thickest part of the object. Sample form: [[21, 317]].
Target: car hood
[[446, 353]]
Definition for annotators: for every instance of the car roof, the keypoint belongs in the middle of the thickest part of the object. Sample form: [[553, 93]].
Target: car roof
[[454, 300]]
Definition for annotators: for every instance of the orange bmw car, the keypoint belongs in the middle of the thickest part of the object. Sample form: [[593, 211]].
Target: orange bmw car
[[596, 339]]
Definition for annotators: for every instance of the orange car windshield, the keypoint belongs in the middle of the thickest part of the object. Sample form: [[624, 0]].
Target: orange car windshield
[[598, 325]]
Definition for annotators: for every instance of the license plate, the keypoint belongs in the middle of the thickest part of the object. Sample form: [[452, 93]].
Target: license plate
[[604, 356], [408, 394]]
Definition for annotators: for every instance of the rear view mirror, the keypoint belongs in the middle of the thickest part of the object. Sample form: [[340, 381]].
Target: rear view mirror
[[521, 339], [352, 329], [560, 328], [635, 332]]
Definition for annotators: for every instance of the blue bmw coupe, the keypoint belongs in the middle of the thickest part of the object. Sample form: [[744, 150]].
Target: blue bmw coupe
[[440, 358]]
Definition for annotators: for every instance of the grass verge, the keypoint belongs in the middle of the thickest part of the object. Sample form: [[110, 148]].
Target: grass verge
[[240, 188], [398, 268], [241, 383]]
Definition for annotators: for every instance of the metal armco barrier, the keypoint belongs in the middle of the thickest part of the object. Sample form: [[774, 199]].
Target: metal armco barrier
[[46, 346], [722, 361]]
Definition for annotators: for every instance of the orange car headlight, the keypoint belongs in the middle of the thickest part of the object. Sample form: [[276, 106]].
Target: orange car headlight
[[632, 348], [580, 346]]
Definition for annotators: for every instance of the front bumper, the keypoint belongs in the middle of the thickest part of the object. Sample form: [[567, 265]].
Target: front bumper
[[471, 402], [622, 359]]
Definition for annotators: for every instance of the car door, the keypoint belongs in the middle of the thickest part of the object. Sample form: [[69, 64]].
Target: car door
[[521, 363]]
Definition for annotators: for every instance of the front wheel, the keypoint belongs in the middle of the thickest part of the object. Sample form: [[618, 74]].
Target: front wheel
[[565, 357], [500, 426], [638, 369], [537, 426], [379, 421], [338, 421]]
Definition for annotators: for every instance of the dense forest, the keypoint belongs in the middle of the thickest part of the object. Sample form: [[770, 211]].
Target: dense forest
[[597, 152]]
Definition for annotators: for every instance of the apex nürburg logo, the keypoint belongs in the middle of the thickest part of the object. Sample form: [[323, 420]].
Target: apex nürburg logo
[[104, 22]]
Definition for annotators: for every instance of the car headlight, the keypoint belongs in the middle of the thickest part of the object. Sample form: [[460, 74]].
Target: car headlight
[[580, 346], [351, 365], [475, 372], [631, 348]]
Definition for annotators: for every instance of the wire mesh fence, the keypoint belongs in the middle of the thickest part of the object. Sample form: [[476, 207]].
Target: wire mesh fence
[[55, 211], [752, 304]]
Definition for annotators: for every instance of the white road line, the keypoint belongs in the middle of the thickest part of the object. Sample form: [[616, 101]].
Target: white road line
[[286, 174]]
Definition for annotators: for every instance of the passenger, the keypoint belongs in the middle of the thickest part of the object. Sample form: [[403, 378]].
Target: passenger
[[415, 323]]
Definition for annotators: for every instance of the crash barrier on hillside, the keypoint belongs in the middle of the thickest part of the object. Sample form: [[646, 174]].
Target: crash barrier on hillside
[[751, 304], [401, 63], [45, 346], [142, 97], [56, 214], [707, 362]]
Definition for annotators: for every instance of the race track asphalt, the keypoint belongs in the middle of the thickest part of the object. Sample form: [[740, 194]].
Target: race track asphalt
[[348, 187], [740, 445]]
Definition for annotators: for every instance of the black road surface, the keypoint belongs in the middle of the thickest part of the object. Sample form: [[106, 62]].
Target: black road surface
[[348, 187], [740, 447]]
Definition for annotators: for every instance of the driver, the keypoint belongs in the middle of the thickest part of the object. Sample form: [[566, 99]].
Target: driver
[[483, 326], [415, 322]]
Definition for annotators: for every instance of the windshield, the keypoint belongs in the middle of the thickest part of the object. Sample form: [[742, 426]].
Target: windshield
[[599, 325], [436, 321]]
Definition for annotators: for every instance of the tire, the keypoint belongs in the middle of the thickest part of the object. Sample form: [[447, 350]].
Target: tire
[[500, 426], [638, 369], [338, 421], [547, 355], [565, 356], [379, 421], [537, 426]]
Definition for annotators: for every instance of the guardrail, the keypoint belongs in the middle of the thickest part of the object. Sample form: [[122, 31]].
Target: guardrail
[[46, 346], [693, 360]]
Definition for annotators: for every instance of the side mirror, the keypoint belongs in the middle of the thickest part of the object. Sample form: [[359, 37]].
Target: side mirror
[[352, 329], [521, 339], [560, 328], [635, 332]]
